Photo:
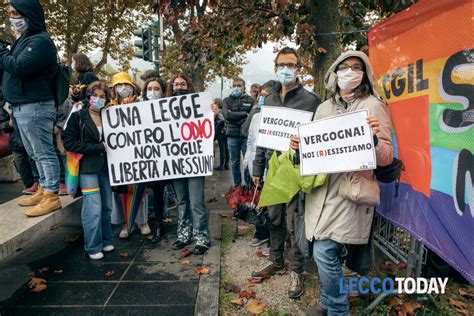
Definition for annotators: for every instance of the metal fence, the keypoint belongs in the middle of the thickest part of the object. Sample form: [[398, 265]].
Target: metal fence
[[399, 247]]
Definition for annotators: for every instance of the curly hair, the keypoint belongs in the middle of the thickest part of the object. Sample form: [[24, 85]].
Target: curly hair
[[169, 90], [98, 85], [160, 81]]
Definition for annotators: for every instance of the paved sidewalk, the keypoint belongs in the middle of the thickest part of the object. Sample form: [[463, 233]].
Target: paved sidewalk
[[149, 281]]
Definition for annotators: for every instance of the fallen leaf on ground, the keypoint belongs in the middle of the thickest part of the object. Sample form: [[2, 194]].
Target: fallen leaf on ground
[[58, 271], [42, 270], [257, 280], [186, 252], [247, 294], [124, 254], [322, 50], [260, 254], [110, 273], [410, 307], [228, 287], [255, 306], [167, 220], [35, 282], [39, 288], [212, 200], [392, 301], [185, 262], [237, 301], [201, 270], [457, 303], [466, 293]]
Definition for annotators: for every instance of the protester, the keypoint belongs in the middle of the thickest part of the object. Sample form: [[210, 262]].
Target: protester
[[25, 166], [125, 92], [83, 70], [220, 135], [254, 90], [29, 70], [84, 135], [262, 234], [290, 94], [151, 73], [193, 221], [331, 220], [153, 89], [235, 109]]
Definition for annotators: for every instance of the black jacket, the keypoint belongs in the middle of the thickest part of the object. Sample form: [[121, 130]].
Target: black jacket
[[30, 67], [82, 136], [235, 111], [298, 98]]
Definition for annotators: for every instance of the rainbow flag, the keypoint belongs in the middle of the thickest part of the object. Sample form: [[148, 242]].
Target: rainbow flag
[[72, 172], [131, 202]]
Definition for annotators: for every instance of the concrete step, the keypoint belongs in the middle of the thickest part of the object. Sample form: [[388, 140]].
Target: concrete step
[[16, 228]]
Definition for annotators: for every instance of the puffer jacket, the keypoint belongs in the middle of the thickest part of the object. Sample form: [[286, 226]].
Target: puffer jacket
[[236, 111], [30, 67], [327, 214], [297, 98]]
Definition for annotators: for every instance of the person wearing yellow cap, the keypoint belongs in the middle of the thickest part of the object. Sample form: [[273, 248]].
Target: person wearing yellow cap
[[123, 89], [125, 92]]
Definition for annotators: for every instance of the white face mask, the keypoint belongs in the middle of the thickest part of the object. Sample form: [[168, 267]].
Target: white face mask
[[349, 79], [124, 91], [153, 95], [19, 24]]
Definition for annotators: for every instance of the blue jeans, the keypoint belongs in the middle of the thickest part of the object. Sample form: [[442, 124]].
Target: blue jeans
[[35, 123], [237, 146], [327, 254], [96, 211], [193, 217]]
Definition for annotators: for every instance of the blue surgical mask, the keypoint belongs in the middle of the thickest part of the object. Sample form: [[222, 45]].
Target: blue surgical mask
[[261, 100], [19, 25], [236, 91], [286, 76], [153, 95], [96, 102]]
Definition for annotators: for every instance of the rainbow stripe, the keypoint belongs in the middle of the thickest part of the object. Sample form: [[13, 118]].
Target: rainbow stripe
[[131, 202], [93, 190], [72, 172]]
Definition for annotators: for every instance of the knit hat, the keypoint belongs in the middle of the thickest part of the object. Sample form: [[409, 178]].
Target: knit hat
[[121, 78]]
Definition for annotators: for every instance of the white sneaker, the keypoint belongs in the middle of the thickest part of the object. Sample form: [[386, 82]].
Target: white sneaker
[[145, 229], [96, 256], [108, 248], [124, 232]]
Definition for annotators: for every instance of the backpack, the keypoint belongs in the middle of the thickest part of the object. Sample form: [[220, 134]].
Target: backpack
[[61, 82], [390, 173]]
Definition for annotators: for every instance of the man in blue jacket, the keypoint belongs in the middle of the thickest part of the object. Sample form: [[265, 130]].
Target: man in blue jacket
[[29, 68]]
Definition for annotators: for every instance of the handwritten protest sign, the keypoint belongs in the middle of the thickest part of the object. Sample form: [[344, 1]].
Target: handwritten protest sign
[[161, 139], [278, 124], [337, 144]]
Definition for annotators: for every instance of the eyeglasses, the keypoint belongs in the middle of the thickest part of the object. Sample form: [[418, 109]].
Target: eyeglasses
[[344, 67], [180, 84], [289, 66]]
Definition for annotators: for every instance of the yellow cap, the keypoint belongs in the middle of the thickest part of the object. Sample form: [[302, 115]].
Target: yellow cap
[[121, 78]]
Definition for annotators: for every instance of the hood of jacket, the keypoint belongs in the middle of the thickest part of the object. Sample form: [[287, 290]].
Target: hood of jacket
[[33, 13], [330, 79]]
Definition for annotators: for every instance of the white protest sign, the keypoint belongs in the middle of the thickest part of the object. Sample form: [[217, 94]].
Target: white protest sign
[[337, 144], [161, 139], [278, 124]]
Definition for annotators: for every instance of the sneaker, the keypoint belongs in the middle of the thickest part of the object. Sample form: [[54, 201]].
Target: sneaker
[[62, 189], [296, 288], [200, 250], [266, 251], [96, 256], [172, 205], [31, 190], [124, 232], [255, 242], [268, 268], [178, 244], [347, 272], [108, 248], [145, 229]]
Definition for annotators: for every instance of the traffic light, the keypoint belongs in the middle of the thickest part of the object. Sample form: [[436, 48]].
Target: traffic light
[[144, 45]]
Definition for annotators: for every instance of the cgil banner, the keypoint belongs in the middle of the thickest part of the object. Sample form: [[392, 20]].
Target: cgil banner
[[423, 59], [337, 144], [278, 124], [161, 139]]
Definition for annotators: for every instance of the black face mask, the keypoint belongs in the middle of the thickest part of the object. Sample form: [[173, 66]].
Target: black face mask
[[179, 92]]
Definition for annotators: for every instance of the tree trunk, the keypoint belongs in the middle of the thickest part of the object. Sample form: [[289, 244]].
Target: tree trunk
[[325, 16]]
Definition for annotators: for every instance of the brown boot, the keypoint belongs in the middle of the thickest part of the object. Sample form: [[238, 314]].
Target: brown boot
[[48, 204], [33, 199]]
